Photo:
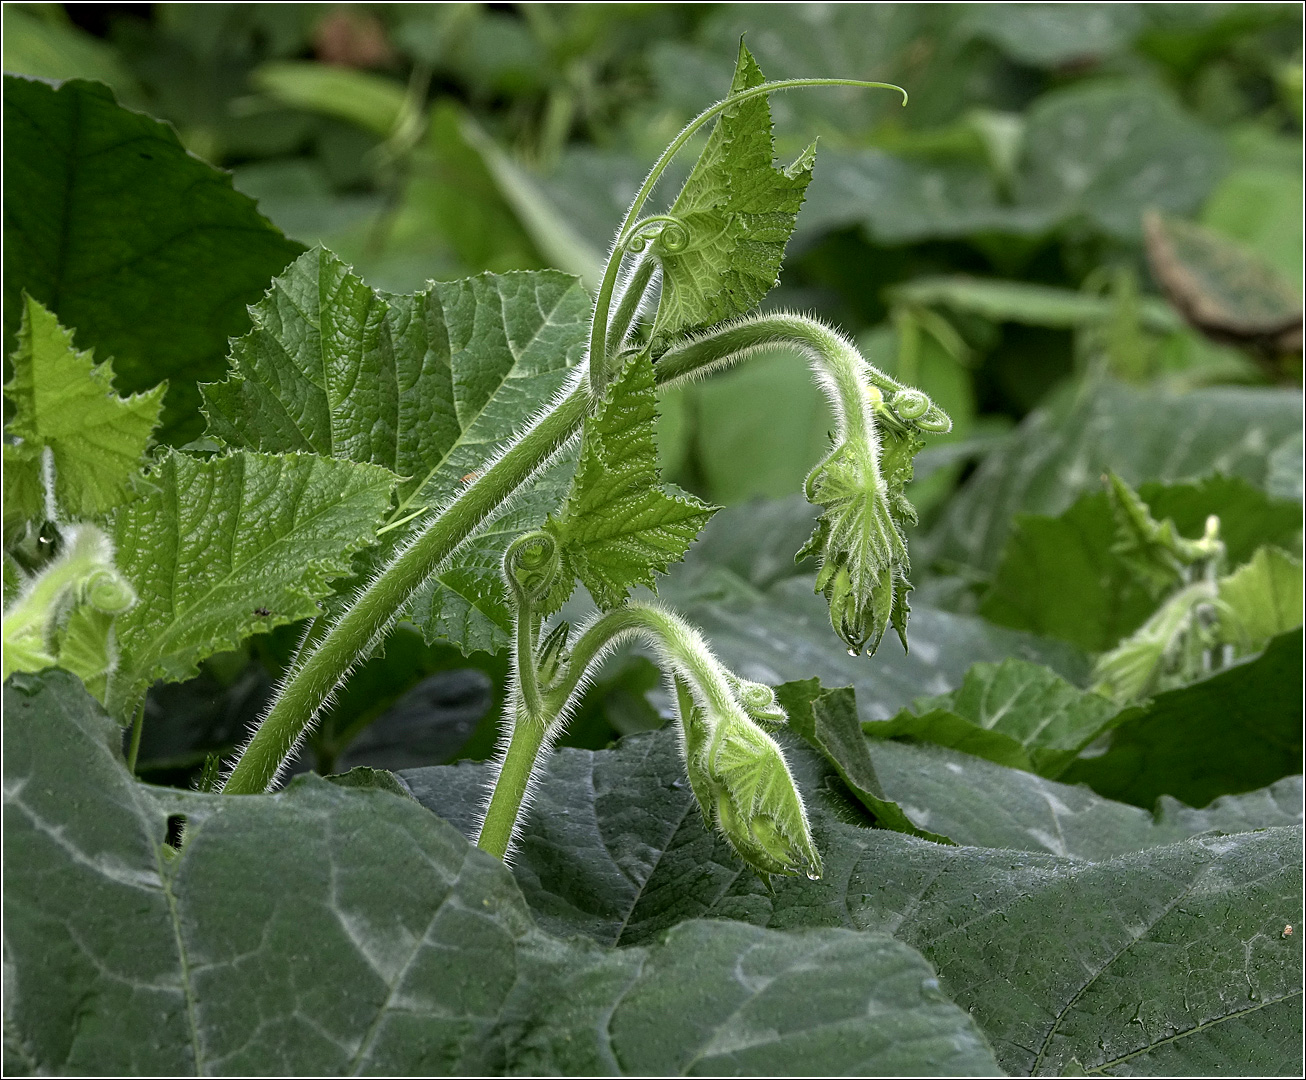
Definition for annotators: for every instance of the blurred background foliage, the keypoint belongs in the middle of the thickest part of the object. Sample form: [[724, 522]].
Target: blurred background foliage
[[1075, 193]]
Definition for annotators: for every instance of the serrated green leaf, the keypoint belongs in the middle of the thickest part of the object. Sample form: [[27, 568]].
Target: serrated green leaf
[[1261, 599], [737, 210], [827, 721], [1062, 449], [65, 402], [391, 947], [1015, 713], [431, 386], [620, 524], [225, 547], [1237, 730], [1063, 576], [1058, 958], [141, 247]]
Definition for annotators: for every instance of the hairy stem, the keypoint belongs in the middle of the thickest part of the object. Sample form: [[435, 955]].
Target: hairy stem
[[628, 308], [326, 661], [683, 652], [519, 762], [603, 302]]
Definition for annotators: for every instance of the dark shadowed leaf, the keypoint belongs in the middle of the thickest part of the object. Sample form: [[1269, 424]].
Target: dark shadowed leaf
[[377, 941], [147, 252], [1237, 730]]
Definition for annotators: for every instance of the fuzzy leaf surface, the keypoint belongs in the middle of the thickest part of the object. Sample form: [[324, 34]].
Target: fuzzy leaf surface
[[390, 946], [620, 523], [430, 385], [65, 402], [218, 542], [738, 210], [1058, 958], [142, 248], [1015, 712], [1237, 730]]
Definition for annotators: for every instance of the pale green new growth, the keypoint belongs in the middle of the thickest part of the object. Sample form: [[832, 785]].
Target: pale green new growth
[[1154, 551], [1260, 599], [226, 547], [620, 524], [721, 250], [82, 576], [66, 412]]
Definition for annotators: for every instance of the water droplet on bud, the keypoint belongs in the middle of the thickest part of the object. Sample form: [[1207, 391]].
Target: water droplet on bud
[[854, 652], [813, 875]]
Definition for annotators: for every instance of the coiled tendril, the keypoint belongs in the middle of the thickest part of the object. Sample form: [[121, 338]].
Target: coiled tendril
[[666, 232]]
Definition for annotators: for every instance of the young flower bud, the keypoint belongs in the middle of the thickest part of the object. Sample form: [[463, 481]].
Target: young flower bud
[[743, 786]]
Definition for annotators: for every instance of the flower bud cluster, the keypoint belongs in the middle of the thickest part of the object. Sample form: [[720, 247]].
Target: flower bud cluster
[[741, 781], [860, 540]]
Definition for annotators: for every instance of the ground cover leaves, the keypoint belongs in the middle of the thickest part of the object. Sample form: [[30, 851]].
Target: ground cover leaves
[[1014, 712], [377, 940], [1061, 450], [1238, 729], [431, 386], [1065, 962], [1060, 576], [146, 251]]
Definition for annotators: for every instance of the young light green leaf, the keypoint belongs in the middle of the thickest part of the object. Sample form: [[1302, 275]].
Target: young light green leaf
[[393, 947], [146, 251], [1237, 730], [1260, 599], [229, 546], [65, 405], [1015, 713], [1155, 552], [620, 524], [735, 214], [431, 386]]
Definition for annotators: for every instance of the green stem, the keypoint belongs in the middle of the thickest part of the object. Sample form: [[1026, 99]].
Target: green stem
[[510, 788], [134, 749], [683, 651], [628, 308], [325, 662], [603, 302]]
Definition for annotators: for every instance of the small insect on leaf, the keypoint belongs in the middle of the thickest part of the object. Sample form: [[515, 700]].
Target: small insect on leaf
[[470, 477], [262, 612], [1287, 930]]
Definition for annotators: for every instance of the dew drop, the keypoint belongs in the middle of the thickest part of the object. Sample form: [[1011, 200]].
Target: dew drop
[[854, 652], [812, 875]]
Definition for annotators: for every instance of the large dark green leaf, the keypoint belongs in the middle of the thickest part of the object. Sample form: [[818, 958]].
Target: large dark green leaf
[[331, 929], [1237, 730], [148, 253], [1061, 960], [1062, 450]]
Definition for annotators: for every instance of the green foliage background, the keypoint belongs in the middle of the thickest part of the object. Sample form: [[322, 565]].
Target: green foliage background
[[990, 243]]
